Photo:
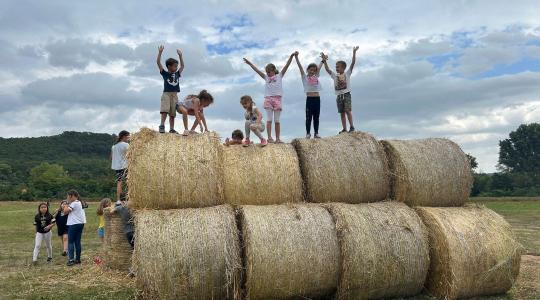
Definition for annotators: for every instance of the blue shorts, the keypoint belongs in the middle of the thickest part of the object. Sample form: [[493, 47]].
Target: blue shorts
[[101, 232]]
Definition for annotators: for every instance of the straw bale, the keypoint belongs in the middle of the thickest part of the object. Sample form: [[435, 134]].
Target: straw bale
[[116, 245], [188, 253], [289, 251], [173, 171], [473, 252], [428, 172], [259, 176], [349, 168], [384, 250]]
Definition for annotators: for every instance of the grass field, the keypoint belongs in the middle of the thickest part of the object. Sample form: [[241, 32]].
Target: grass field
[[19, 280]]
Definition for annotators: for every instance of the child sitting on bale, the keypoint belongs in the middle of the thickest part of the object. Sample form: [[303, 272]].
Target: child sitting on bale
[[236, 138], [193, 105]]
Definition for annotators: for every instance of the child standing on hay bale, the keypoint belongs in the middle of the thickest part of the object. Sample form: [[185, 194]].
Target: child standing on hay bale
[[342, 85], [193, 105], [253, 121], [236, 138], [105, 202], [61, 226], [118, 160], [171, 88], [312, 87], [43, 221], [273, 93]]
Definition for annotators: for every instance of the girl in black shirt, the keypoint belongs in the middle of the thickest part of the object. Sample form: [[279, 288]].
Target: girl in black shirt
[[43, 221], [61, 220]]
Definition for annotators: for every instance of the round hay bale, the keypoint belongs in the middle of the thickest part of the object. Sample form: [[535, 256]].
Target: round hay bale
[[187, 253], [289, 251], [173, 171], [428, 172], [117, 248], [473, 252], [259, 176], [349, 168], [384, 250]]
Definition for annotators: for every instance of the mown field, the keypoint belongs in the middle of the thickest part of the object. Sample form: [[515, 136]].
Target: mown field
[[20, 280]]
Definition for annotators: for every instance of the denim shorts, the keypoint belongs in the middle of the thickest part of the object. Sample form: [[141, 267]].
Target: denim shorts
[[101, 232]]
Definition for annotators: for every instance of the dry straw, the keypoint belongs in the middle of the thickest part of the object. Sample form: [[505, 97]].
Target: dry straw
[[429, 172], [349, 168], [255, 175], [384, 250], [188, 253], [290, 251], [473, 252], [116, 245], [172, 171]]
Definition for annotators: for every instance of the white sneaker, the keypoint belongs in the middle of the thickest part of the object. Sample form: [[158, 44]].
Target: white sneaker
[[186, 133], [308, 136]]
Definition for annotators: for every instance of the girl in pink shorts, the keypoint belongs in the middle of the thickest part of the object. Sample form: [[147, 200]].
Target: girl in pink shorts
[[273, 92]]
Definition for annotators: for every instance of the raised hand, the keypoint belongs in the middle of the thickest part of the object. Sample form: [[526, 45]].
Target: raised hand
[[355, 48], [179, 52], [323, 56], [160, 48], [246, 61], [295, 53]]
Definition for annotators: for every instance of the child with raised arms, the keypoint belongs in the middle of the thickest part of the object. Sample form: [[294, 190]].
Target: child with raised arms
[[312, 87]]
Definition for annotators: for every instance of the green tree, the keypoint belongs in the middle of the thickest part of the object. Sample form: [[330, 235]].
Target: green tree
[[521, 151], [49, 180], [472, 161]]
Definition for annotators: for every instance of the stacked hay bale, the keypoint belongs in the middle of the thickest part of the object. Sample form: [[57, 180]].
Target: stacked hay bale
[[428, 172], [473, 252], [260, 176], [350, 168], [117, 250]]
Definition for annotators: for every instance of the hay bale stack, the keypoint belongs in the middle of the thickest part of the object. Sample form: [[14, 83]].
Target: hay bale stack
[[172, 171], [187, 253], [349, 168], [290, 251], [473, 252], [428, 172], [260, 176], [384, 250], [117, 248]]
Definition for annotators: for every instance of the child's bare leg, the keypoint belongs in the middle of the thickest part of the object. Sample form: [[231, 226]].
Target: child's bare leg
[[118, 189], [343, 121], [163, 117], [171, 122], [184, 113], [269, 129], [65, 242], [349, 116], [278, 131]]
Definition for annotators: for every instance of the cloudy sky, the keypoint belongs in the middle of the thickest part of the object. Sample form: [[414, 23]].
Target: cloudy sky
[[465, 70]]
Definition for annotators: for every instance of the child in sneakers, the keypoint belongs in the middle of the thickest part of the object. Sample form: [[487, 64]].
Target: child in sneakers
[[105, 202], [171, 88], [193, 105], [312, 87], [272, 95], [236, 138], [342, 85], [43, 221], [253, 120]]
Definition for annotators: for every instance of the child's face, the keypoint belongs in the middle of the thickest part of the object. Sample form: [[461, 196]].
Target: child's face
[[126, 138], [270, 72], [312, 71], [205, 103], [43, 209], [172, 68], [246, 105], [339, 68]]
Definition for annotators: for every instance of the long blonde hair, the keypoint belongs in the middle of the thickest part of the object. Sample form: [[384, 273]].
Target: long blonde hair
[[105, 202]]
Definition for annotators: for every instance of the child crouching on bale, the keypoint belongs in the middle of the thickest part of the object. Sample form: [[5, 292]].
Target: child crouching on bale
[[236, 138], [253, 121], [193, 105]]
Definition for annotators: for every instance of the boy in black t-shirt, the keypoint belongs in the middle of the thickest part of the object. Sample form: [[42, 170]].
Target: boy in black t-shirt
[[171, 87]]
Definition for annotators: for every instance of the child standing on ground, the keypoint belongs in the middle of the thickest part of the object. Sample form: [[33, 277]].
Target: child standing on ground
[[193, 105], [43, 221], [171, 88], [61, 225], [273, 93], [237, 138], [75, 222], [253, 120], [118, 160], [312, 87], [105, 202], [342, 85]]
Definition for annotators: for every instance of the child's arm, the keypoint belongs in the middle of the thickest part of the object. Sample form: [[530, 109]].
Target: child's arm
[[324, 59], [160, 50], [353, 58], [299, 64], [203, 119], [181, 61], [319, 68], [284, 70], [254, 68]]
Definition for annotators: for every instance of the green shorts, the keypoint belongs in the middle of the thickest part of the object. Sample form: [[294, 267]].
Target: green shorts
[[344, 103]]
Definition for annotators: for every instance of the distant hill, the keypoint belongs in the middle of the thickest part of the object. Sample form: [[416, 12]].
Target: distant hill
[[69, 160]]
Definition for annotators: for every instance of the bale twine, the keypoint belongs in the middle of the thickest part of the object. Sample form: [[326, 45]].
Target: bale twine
[[428, 172], [384, 250], [473, 252], [117, 248], [259, 176], [349, 168], [289, 251], [172, 171], [187, 253]]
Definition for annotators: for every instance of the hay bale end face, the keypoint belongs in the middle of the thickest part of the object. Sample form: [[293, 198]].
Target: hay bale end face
[[428, 172], [260, 176], [350, 168], [384, 250], [473, 252], [187, 253], [290, 251], [172, 171], [116, 245]]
